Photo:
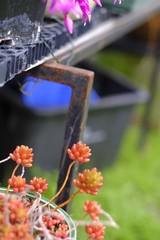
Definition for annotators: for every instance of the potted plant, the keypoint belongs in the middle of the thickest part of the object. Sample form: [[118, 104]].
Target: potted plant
[[28, 216], [21, 20], [73, 9]]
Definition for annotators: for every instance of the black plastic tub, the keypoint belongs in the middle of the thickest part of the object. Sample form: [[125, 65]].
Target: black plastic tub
[[109, 117], [43, 130]]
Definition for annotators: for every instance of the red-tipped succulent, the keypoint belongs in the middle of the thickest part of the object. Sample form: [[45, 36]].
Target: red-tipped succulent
[[96, 231], [22, 155], [93, 208], [38, 185], [89, 181], [14, 224], [24, 217], [79, 152], [17, 183]]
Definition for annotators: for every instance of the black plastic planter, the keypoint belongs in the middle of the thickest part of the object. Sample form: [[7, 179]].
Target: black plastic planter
[[43, 130], [20, 20], [109, 117]]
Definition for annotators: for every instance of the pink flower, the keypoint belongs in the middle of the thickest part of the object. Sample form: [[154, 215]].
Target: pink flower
[[68, 23], [85, 8], [66, 8], [98, 2], [75, 8], [119, 1]]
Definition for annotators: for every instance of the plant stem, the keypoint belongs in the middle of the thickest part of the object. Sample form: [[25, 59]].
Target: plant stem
[[5, 160], [66, 202], [64, 183], [82, 218], [13, 173]]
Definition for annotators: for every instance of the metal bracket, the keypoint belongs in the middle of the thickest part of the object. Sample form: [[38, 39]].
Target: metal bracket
[[80, 81]]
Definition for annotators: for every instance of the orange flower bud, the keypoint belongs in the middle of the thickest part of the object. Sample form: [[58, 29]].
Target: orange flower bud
[[17, 183], [89, 181], [79, 152], [38, 185], [22, 155], [93, 209], [96, 231]]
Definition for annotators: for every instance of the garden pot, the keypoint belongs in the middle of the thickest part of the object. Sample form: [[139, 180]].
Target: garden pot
[[20, 21], [65, 216]]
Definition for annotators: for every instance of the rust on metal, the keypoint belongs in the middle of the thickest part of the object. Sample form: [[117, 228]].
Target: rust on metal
[[80, 81]]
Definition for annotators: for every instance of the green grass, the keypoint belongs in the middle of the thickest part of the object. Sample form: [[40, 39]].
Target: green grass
[[134, 66]]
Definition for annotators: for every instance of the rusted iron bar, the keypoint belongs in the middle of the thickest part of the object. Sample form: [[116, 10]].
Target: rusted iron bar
[[80, 81]]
